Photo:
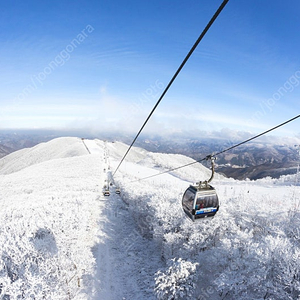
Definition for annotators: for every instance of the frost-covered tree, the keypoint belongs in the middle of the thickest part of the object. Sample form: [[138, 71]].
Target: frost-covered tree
[[177, 281]]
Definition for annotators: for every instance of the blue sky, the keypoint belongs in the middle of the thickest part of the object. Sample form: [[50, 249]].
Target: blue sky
[[102, 65]]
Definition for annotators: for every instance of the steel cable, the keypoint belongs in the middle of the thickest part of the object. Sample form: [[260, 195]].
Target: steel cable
[[174, 77], [223, 151]]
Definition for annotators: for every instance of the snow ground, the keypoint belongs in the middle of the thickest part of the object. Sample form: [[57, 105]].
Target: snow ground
[[62, 239]]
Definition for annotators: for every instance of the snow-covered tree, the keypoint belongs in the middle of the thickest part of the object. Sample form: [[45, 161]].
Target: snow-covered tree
[[177, 281]]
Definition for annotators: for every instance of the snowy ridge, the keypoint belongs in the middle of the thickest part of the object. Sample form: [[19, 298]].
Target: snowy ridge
[[61, 239], [57, 148]]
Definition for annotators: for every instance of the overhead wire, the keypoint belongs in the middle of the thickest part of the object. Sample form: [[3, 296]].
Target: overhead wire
[[220, 152], [174, 77]]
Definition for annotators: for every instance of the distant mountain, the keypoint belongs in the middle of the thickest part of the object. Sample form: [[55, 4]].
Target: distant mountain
[[252, 160], [269, 157], [258, 161], [13, 140], [4, 150]]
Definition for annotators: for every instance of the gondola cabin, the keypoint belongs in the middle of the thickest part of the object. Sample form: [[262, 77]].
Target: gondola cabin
[[200, 202], [105, 190]]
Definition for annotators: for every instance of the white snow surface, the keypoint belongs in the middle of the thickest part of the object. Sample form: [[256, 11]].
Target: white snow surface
[[62, 239]]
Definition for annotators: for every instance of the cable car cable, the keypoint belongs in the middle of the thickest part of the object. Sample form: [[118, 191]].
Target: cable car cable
[[223, 151], [174, 77]]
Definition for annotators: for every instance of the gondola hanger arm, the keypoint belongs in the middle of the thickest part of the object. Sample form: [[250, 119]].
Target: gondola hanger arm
[[205, 183]]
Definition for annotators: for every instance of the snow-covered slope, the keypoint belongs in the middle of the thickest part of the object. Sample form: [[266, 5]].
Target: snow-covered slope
[[49, 214], [57, 148], [61, 239]]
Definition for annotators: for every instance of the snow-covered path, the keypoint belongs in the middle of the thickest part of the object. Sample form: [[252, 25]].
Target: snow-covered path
[[126, 262]]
